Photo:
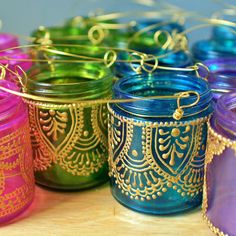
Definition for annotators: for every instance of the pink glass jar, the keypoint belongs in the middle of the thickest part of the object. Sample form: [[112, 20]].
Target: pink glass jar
[[16, 164]]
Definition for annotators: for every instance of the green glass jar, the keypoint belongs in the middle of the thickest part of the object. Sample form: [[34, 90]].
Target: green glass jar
[[69, 139]]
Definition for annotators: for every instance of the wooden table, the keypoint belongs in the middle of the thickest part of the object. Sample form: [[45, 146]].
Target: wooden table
[[95, 212]]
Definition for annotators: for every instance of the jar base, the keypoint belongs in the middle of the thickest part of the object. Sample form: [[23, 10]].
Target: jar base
[[161, 211], [12, 217], [72, 188]]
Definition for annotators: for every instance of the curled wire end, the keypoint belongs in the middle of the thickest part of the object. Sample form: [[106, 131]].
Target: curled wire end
[[96, 34], [200, 65], [43, 39], [148, 67], [179, 112], [110, 58], [23, 80]]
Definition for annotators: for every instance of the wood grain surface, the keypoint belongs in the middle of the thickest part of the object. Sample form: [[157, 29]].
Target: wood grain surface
[[95, 212]]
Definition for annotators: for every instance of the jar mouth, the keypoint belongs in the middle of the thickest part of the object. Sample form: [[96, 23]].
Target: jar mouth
[[225, 112], [167, 86], [70, 80]]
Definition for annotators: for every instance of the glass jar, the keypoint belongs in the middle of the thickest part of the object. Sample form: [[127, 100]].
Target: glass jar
[[16, 163], [123, 69], [69, 140], [156, 158], [144, 42], [222, 77], [219, 203]]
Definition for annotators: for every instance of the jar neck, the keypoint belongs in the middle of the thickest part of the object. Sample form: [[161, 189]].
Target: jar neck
[[224, 118], [72, 81], [166, 86]]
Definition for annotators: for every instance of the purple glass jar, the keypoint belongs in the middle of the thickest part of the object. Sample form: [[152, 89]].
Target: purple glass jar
[[219, 203], [222, 77]]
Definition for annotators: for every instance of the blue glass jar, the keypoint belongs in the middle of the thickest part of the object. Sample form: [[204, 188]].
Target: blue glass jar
[[143, 41], [156, 158], [178, 59]]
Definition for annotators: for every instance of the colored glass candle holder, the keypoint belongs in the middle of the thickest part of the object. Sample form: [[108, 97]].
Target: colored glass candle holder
[[16, 163], [144, 42], [122, 69], [156, 158], [222, 77], [69, 140], [219, 202]]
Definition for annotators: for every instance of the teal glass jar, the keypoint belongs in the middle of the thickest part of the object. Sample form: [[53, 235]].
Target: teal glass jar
[[69, 140], [157, 146]]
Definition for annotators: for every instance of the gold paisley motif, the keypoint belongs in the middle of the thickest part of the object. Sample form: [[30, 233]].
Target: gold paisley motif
[[73, 137], [16, 161], [144, 173], [215, 147]]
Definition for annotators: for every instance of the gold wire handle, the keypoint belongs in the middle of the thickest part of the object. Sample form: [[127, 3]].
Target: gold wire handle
[[109, 58], [46, 39], [98, 101], [179, 112]]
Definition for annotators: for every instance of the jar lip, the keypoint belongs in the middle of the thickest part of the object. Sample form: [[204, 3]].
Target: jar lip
[[165, 85], [224, 107], [38, 71], [119, 83]]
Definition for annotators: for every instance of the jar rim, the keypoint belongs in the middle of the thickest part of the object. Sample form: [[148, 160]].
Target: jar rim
[[96, 79], [160, 82], [224, 107]]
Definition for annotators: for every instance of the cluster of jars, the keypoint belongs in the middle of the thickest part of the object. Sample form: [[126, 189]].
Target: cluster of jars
[[152, 150]]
